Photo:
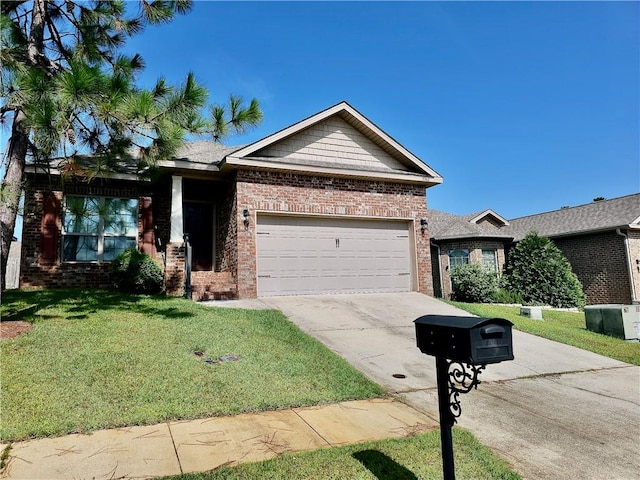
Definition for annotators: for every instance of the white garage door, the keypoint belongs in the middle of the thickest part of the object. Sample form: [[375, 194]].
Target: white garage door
[[302, 255]]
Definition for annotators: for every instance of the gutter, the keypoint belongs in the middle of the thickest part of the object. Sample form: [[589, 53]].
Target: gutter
[[627, 253], [439, 267]]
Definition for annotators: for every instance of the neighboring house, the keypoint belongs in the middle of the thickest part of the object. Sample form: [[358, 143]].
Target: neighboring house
[[601, 240], [458, 240], [331, 204]]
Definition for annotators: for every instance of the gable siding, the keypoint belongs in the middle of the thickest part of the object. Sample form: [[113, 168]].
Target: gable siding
[[333, 141], [489, 223]]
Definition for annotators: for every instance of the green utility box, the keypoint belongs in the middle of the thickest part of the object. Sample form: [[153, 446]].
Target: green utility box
[[621, 321]]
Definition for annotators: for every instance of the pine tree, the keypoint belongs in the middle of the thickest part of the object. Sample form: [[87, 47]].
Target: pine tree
[[68, 91]]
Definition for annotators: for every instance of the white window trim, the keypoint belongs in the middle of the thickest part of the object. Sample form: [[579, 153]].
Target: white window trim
[[468, 252], [495, 259]]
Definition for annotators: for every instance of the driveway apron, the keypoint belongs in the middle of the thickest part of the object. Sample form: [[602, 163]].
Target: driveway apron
[[555, 411]]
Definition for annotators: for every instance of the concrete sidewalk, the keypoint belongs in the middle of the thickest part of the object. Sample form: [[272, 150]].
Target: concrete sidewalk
[[204, 444]]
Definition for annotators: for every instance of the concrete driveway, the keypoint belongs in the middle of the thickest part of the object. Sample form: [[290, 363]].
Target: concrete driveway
[[554, 412]]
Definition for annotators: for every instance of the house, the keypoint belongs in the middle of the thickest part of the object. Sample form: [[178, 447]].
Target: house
[[601, 240], [331, 204], [458, 240]]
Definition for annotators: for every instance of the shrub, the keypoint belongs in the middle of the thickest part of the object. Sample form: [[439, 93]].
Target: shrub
[[505, 296], [472, 284], [136, 272], [540, 273]]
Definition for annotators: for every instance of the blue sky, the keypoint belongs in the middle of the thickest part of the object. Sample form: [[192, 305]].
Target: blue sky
[[522, 107]]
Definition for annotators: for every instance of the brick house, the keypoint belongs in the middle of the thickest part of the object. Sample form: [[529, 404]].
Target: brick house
[[457, 240], [331, 204], [601, 240]]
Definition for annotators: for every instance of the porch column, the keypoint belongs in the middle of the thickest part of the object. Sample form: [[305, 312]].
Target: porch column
[[176, 210]]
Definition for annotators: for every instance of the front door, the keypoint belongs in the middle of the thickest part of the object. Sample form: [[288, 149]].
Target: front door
[[198, 223]]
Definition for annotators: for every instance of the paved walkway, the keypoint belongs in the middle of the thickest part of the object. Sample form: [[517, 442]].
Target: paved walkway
[[204, 444]]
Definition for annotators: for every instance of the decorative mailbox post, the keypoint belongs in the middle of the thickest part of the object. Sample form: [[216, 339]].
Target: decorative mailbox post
[[463, 346]]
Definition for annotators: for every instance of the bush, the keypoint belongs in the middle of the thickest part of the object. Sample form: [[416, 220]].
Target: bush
[[472, 284], [136, 272], [539, 272], [505, 296]]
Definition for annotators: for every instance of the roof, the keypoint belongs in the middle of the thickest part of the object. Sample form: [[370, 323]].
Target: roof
[[83, 166], [621, 212], [447, 226], [338, 141], [205, 152], [603, 215], [411, 169]]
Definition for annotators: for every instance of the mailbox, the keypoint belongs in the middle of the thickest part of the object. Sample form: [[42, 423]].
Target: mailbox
[[472, 340]]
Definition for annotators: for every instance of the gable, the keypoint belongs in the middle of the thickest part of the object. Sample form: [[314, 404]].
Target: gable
[[487, 218], [332, 143], [490, 222], [338, 141]]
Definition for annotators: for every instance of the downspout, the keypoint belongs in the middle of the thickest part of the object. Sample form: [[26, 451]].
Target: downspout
[[629, 265], [439, 267]]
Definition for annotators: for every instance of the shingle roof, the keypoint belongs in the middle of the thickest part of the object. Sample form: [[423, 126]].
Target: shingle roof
[[205, 152], [596, 216], [447, 226], [603, 215]]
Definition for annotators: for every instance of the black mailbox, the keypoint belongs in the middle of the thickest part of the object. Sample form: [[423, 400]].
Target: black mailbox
[[472, 340]]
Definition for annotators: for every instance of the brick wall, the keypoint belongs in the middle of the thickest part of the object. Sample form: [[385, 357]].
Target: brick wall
[[36, 273], [475, 248], [227, 231], [174, 268], [317, 195], [599, 261], [235, 245]]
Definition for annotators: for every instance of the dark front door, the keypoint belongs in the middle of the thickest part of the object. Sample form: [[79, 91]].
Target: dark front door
[[198, 223]]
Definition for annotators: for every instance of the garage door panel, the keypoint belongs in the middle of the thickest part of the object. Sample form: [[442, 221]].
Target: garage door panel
[[304, 255]]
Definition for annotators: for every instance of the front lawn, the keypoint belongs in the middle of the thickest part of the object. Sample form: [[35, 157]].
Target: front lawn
[[397, 459], [98, 359], [563, 327]]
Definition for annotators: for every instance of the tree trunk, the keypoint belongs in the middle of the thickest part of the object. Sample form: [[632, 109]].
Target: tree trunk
[[17, 146], [12, 186], [36, 34]]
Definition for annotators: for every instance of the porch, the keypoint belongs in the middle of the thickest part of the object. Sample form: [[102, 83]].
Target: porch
[[201, 213]]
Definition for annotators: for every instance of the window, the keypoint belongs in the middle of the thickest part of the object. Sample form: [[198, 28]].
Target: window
[[490, 261], [97, 228], [458, 257]]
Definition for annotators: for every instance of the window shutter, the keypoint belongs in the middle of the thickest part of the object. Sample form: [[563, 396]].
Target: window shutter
[[49, 230], [148, 234]]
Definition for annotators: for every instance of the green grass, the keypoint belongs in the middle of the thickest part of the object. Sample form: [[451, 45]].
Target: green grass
[[563, 327], [98, 359], [412, 458]]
